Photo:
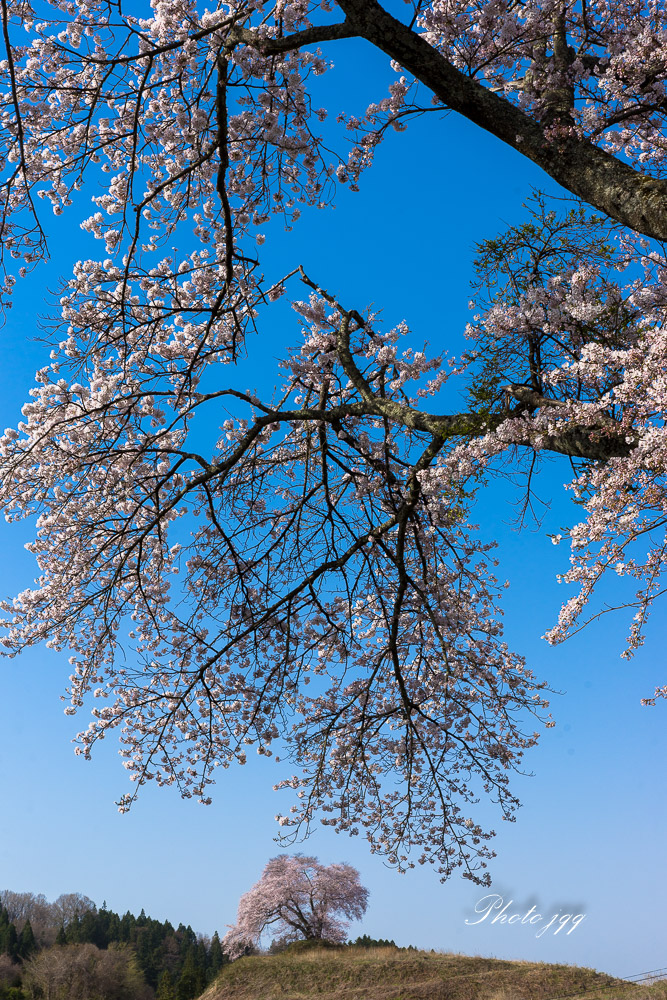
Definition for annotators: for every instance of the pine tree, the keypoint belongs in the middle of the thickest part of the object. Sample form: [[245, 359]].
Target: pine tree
[[216, 958], [127, 924], [26, 943], [73, 930], [201, 961], [189, 983], [61, 936], [11, 942], [91, 931], [165, 987], [187, 937], [8, 935]]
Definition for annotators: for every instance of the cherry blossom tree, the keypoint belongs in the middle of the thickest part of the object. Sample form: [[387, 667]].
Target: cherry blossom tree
[[312, 585], [298, 898]]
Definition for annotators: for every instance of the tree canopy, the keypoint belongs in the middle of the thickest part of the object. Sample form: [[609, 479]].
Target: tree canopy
[[326, 537], [299, 899]]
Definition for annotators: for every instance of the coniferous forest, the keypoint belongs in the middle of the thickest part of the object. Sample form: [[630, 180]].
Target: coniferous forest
[[71, 949]]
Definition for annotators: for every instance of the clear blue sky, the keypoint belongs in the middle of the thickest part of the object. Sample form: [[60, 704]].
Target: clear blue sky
[[590, 836]]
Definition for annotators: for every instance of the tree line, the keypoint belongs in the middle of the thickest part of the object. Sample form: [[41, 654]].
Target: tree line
[[49, 950]]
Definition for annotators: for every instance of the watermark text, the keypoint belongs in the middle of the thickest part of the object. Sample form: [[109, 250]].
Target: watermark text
[[495, 902]]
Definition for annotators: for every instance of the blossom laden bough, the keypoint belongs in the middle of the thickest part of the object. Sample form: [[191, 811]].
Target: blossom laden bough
[[312, 584]]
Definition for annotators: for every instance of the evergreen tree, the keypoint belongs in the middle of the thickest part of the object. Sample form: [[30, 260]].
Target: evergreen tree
[[127, 924], [61, 936], [8, 935], [368, 942], [112, 928], [91, 929], [148, 944], [216, 958], [189, 983], [11, 942], [201, 961], [188, 939], [165, 987], [27, 945], [73, 930]]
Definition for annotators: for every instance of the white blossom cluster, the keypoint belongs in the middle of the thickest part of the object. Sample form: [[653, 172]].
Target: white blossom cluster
[[311, 586]]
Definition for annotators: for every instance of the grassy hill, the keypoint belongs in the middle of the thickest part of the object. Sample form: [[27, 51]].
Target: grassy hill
[[354, 973]]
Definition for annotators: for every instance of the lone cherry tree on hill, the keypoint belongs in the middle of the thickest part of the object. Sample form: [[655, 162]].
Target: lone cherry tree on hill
[[327, 535], [298, 898]]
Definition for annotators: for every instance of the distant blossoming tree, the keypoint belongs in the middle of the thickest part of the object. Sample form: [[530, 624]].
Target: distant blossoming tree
[[297, 897], [310, 583]]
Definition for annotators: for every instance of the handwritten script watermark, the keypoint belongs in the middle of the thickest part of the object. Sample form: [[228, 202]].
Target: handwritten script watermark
[[494, 901]]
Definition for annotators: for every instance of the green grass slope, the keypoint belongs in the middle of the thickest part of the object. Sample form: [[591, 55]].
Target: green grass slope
[[391, 974]]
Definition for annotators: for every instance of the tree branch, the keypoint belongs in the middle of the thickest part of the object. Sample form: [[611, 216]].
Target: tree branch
[[592, 174], [309, 36], [603, 440]]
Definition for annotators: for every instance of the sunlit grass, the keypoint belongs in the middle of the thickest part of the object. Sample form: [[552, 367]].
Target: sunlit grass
[[385, 973]]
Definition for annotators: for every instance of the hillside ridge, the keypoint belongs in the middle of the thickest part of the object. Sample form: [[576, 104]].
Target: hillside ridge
[[354, 973]]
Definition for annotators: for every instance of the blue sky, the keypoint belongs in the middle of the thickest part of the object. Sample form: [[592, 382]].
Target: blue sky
[[590, 836]]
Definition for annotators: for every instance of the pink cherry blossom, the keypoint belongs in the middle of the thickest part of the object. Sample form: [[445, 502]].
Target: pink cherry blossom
[[298, 898], [313, 585]]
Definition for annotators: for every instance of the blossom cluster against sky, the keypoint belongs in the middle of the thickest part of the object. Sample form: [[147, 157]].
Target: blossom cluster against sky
[[590, 836]]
